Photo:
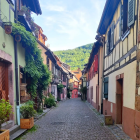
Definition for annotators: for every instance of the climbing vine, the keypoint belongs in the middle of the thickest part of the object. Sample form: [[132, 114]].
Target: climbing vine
[[38, 75]]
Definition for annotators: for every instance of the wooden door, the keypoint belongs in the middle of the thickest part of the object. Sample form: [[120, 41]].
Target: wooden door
[[119, 101], [3, 81], [97, 98]]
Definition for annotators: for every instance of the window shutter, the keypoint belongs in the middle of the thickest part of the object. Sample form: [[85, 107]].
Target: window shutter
[[112, 36], [131, 12], [121, 20], [107, 45], [106, 88]]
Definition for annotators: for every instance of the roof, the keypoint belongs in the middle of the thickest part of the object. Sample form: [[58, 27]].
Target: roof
[[38, 27], [34, 6], [50, 54], [45, 37], [64, 70], [94, 51], [107, 15], [78, 73], [45, 47]]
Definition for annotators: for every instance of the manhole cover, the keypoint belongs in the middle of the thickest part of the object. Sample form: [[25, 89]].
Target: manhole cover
[[58, 123]]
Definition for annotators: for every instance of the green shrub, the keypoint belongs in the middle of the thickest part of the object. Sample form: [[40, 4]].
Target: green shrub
[[49, 102], [27, 111], [39, 110], [51, 96], [5, 111], [30, 103]]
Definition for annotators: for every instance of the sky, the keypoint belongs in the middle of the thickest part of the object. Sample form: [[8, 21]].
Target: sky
[[69, 23]]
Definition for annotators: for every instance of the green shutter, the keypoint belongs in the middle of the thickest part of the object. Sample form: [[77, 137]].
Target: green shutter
[[107, 45], [112, 36], [131, 12], [121, 20], [106, 88]]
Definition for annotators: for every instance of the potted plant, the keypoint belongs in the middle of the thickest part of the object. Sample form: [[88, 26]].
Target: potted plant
[[27, 116], [8, 27], [5, 111], [17, 38]]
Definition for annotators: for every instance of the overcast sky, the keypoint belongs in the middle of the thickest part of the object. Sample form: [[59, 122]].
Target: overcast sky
[[69, 23]]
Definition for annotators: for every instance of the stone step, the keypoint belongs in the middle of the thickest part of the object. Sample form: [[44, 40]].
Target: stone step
[[17, 134], [14, 129]]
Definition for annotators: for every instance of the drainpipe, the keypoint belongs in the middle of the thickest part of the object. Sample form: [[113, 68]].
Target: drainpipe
[[16, 71], [103, 75]]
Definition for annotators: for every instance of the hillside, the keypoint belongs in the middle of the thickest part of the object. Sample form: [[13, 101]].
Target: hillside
[[75, 57]]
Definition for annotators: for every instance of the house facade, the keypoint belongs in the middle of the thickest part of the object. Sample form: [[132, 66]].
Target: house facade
[[12, 60], [94, 70], [119, 28], [74, 86]]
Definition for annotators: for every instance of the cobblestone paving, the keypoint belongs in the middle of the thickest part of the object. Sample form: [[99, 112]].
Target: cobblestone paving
[[71, 120], [118, 133]]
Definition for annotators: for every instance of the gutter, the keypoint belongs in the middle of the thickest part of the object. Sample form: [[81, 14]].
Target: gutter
[[102, 90], [16, 71]]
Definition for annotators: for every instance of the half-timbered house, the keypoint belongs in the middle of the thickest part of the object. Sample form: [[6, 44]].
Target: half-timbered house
[[119, 28]]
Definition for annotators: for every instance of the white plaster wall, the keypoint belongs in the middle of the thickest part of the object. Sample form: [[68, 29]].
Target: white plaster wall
[[129, 84], [93, 83]]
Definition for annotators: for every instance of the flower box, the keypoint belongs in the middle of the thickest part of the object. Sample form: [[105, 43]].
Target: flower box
[[4, 135], [8, 29], [26, 123]]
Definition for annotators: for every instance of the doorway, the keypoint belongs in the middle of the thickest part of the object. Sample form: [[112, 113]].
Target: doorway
[[91, 94], [3, 81], [119, 100], [97, 98]]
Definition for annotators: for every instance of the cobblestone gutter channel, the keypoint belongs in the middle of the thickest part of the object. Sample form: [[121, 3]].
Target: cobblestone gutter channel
[[116, 131]]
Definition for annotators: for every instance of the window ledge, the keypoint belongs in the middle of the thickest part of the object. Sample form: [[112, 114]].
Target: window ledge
[[125, 34]]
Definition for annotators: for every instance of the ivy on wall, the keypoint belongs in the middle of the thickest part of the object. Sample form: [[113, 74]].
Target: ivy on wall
[[37, 73]]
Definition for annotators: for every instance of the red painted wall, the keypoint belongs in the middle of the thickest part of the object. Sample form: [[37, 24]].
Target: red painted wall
[[74, 93]]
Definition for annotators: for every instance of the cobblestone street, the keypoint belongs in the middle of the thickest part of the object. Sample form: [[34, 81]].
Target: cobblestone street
[[71, 120]]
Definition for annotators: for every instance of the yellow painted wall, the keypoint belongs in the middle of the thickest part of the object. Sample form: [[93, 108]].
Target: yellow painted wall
[[129, 70], [123, 46], [100, 74], [128, 87]]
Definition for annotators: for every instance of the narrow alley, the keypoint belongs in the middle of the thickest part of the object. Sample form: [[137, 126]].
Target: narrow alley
[[71, 120]]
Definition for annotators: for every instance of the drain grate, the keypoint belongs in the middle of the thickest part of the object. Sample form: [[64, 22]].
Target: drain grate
[[57, 123]]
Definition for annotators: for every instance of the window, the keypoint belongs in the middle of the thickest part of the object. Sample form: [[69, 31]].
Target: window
[[106, 88], [48, 62], [110, 39], [127, 14]]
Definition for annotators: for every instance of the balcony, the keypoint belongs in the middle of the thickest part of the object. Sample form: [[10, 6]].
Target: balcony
[[24, 17]]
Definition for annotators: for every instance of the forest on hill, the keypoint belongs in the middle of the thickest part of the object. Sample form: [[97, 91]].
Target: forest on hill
[[77, 57]]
